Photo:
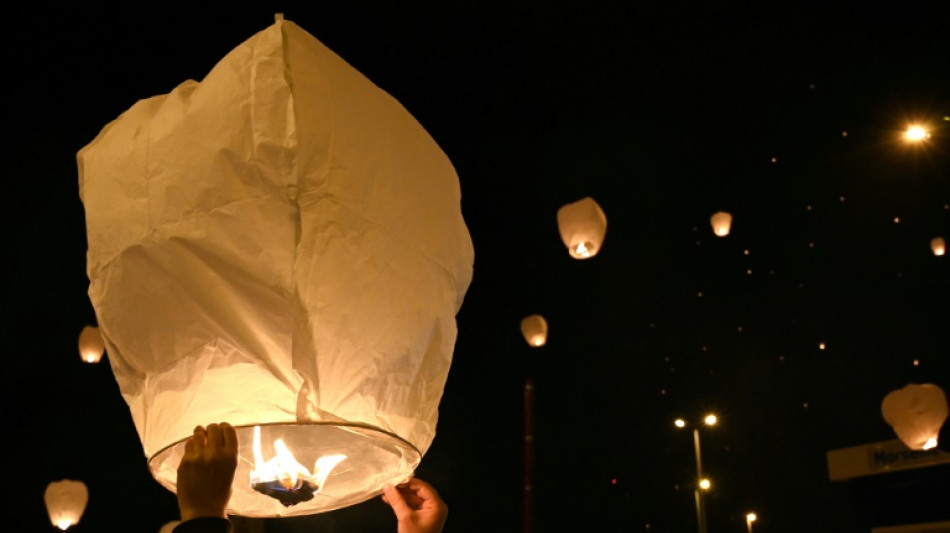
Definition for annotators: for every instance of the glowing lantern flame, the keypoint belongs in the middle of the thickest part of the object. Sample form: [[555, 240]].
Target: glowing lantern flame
[[285, 469], [91, 345], [721, 223], [535, 330], [938, 246]]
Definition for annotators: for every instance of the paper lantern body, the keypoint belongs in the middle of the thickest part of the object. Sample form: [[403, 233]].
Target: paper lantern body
[[582, 225], [280, 245], [65, 502], [721, 223], [535, 330], [916, 413], [91, 347], [938, 246], [168, 527]]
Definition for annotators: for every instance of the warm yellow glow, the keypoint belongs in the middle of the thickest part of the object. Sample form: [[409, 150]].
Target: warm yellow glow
[[916, 133], [91, 345], [938, 246], [821, 346], [704, 484], [710, 420], [65, 502], [750, 517], [582, 225], [680, 423], [283, 467], [582, 249], [535, 330], [931, 443], [721, 223]]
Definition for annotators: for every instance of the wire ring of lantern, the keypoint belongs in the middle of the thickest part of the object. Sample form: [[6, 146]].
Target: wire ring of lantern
[[379, 452], [341, 425]]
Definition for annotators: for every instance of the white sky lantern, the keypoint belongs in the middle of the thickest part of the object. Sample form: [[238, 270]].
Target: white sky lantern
[[91, 347], [583, 225], [916, 413], [280, 246], [938, 246], [65, 502], [721, 223], [535, 330]]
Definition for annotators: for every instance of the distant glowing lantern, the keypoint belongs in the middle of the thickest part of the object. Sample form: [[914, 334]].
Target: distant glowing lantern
[[91, 346], [280, 247], [535, 330], [721, 223], [65, 502], [938, 246], [916, 413], [583, 225]]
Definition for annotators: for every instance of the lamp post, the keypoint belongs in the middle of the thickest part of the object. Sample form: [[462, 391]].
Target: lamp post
[[749, 518], [702, 484]]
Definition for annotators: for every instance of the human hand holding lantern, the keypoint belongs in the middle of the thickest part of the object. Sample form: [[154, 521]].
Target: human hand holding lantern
[[206, 472], [417, 506]]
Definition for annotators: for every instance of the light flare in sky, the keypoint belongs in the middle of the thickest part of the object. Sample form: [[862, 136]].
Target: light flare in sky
[[916, 133]]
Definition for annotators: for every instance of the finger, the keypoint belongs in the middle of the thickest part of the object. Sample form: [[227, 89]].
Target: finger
[[395, 500], [189, 448], [423, 489], [199, 439], [215, 437], [230, 439]]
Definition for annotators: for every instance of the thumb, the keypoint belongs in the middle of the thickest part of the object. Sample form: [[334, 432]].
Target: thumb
[[394, 498]]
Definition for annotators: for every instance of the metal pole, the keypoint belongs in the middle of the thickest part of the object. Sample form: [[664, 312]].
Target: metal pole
[[700, 504], [528, 454]]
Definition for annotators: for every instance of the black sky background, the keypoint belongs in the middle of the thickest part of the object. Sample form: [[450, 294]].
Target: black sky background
[[662, 112]]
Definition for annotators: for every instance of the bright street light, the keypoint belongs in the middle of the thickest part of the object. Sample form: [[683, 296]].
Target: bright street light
[[749, 518], [704, 484], [916, 133]]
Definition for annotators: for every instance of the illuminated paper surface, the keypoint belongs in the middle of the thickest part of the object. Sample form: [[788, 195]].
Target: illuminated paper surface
[[281, 245]]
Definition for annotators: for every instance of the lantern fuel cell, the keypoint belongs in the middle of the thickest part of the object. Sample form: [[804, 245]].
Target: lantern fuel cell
[[281, 246]]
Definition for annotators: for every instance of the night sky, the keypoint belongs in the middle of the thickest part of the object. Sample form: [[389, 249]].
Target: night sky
[[787, 115]]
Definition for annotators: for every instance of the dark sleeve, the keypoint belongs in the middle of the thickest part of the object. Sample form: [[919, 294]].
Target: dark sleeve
[[204, 525]]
